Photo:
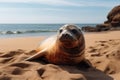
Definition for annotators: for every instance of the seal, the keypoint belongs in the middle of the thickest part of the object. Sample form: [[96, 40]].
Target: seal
[[67, 47]]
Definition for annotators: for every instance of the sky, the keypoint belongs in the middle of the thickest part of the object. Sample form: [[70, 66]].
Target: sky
[[55, 11]]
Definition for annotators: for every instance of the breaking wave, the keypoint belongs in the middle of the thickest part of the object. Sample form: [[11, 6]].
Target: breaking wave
[[24, 32]]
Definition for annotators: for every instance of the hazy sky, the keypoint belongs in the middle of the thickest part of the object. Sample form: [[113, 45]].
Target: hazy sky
[[55, 11]]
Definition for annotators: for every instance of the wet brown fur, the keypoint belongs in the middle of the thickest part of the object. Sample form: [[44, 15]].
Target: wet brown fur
[[56, 52]]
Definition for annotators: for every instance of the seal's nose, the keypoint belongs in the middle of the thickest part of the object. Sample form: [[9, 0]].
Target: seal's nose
[[65, 35]]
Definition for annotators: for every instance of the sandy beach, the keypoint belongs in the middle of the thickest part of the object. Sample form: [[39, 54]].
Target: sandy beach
[[102, 50], [71, 55]]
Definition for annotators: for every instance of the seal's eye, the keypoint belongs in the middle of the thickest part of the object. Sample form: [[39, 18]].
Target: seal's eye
[[60, 30], [74, 31]]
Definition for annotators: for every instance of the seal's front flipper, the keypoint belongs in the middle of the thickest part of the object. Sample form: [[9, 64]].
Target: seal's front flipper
[[85, 64], [37, 55]]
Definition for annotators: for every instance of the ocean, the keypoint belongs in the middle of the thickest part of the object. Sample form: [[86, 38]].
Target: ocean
[[27, 30]]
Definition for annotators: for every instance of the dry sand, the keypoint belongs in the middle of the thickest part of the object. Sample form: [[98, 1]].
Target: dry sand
[[102, 50], [24, 43]]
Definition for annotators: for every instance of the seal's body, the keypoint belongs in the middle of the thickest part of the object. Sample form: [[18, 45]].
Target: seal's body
[[65, 48]]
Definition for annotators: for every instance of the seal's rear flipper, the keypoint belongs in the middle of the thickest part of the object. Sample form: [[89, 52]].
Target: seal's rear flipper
[[37, 55]]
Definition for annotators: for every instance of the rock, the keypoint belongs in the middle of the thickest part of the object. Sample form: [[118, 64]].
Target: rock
[[113, 12], [99, 27], [114, 16], [112, 23], [103, 27], [88, 29], [116, 21]]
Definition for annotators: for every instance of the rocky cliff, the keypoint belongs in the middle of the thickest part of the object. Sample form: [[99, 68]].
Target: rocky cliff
[[112, 23]]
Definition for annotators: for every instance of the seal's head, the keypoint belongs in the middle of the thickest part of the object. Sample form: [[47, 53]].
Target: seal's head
[[69, 35]]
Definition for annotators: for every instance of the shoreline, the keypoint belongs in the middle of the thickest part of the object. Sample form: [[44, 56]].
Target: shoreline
[[30, 43], [47, 34]]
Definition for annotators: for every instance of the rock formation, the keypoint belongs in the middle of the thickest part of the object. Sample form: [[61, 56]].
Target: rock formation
[[112, 23], [114, 17]]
